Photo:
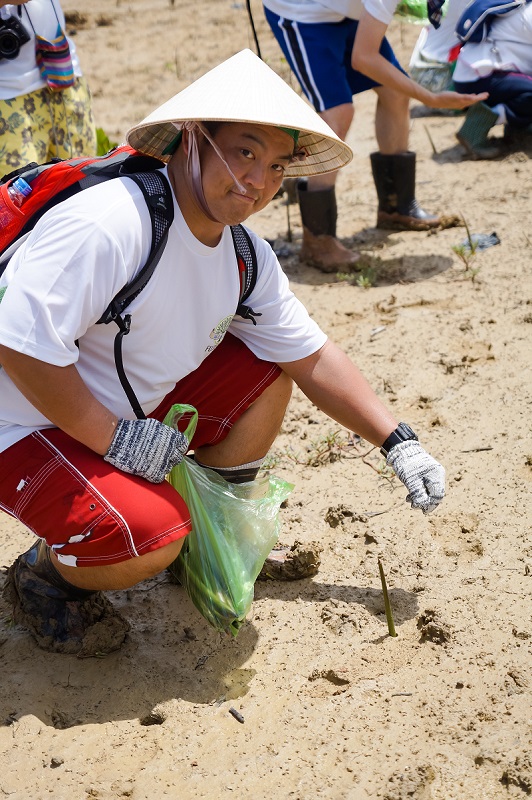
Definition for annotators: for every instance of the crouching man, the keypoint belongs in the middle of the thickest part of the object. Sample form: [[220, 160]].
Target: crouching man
[[76, 466]]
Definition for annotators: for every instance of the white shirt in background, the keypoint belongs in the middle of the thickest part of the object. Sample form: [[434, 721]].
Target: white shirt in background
[[509, 48], [21, 75], [332, 10]]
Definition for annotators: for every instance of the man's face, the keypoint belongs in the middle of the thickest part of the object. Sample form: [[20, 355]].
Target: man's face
[[258, 156]]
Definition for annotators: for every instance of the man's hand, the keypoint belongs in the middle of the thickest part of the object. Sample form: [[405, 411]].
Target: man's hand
[[146, 447], [366, 58], [454, 100], [421, 474]]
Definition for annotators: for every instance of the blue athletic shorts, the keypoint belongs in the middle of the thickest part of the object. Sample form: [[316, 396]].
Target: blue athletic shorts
[[319, 54]]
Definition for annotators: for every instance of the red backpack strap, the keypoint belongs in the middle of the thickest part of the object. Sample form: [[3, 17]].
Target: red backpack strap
[[56, 181], [51, 183]]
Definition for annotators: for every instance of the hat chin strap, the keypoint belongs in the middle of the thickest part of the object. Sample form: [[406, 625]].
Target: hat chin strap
[[194, 164]]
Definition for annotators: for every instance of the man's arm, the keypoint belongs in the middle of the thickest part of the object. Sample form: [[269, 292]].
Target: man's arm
[[366, 59], [333, 383], [62, 397], [331, 380], [143, 447]]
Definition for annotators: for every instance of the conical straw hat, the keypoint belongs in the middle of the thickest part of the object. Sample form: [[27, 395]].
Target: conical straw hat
[[244, 89]]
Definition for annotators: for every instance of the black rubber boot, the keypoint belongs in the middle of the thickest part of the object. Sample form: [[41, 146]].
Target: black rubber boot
[[318, 209], [320, 246], [395, 182], [61, 617]]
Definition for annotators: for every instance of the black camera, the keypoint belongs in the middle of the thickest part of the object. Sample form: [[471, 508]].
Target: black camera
[[13, 35]]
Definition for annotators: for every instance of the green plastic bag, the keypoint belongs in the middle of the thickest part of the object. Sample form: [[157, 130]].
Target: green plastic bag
[[234, 527]]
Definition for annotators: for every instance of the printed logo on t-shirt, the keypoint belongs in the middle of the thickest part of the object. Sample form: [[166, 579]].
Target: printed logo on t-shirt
[[219, 332]]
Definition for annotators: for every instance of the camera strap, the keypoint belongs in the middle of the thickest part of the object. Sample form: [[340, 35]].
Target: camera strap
[[53, 58]]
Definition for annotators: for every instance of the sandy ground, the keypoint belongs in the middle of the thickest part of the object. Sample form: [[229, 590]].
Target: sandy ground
[[333, 706]]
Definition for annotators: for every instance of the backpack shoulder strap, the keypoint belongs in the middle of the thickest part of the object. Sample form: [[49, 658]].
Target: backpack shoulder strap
[[247, 268], [159, 199], [158, 196]]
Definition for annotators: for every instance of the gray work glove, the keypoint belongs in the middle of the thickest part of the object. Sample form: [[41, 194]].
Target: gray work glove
[[421, 474], [146, 447]]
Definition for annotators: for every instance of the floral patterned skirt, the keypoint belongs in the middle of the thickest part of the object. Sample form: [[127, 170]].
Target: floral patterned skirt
[[42, 125]]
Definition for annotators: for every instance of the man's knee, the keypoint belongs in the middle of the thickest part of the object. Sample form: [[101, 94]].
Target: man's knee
[[339, 118]]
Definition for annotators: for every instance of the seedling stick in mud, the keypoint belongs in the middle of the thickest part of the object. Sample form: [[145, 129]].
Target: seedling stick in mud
[[387, 606]]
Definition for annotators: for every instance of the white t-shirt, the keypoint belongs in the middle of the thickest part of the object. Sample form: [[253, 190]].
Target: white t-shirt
[[21, 75], [435, 44], [76, 259], [509, 48], [332, 10]]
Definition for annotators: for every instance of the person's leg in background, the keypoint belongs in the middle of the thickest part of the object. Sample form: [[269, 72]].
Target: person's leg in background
[[42, 125], [516, 89], [117, 529], [317, 203], [315, 54], [394, 165], [23, 135], [513, 90], [72, 132], [509, 104], [320, 57]]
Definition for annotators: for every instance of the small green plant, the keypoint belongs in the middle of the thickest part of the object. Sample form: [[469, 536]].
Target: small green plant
[[334, 446], [103, 143], [467, 253], [325, 450], [365, 277], [385, 471]]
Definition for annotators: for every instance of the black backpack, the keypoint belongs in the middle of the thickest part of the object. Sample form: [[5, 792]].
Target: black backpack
[[59, 179]]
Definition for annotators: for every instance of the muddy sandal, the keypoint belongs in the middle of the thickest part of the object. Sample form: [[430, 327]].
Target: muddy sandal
[[60, 617]]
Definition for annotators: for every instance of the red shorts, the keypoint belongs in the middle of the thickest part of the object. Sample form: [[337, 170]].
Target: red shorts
[[94, 514]]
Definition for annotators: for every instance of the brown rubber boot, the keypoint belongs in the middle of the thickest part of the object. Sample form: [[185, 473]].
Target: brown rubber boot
[[61, 617], [395, 182], [320, 247]]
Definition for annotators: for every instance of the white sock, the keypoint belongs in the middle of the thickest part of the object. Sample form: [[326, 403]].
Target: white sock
[[500, 109]]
